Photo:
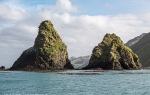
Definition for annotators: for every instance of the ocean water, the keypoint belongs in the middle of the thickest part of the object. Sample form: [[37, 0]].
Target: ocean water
[[75, 82]]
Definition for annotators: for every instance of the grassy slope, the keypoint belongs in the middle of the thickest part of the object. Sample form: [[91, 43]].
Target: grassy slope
[[142, 49]]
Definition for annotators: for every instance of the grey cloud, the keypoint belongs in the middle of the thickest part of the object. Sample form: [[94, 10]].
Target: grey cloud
[[7, 13]]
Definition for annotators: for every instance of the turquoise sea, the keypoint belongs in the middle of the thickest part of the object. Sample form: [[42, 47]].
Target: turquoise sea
[[75, 82]]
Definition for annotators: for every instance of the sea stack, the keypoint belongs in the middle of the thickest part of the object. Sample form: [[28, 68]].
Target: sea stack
[[48, 53], [112, 54], [2, 68]]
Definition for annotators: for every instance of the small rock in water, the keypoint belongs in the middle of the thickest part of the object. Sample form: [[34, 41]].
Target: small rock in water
[[2, 68]]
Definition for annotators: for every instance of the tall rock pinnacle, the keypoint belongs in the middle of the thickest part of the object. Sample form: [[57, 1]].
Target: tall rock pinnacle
[[48, 53]]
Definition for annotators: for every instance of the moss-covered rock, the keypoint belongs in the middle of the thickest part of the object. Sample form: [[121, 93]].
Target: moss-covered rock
[[48, 53], [112, 54]]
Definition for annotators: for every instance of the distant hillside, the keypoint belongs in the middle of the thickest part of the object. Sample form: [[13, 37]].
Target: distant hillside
[[135, 40], [80, 62], [142, 49]]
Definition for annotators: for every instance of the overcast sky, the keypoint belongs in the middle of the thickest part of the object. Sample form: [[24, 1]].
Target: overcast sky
[[80, 23]]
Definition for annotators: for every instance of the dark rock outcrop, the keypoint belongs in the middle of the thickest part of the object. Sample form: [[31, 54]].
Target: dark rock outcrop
[[2, 68], [48, 52], [112, 54]]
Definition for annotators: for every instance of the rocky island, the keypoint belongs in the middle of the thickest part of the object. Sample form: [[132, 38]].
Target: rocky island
[[2, 68], [48, 53], [112, 54]]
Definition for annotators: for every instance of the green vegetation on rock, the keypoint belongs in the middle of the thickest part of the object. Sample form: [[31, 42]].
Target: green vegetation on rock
[[48, 52], [111, 53]]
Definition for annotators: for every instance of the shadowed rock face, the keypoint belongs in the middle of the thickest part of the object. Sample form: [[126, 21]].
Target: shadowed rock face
[[142, 49], [112, 54], [48, 52], [2, 68]]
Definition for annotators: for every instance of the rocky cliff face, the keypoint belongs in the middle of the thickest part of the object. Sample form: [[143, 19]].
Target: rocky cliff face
[[80, 62], [142, 49], [135, 40], [112, 54], [48, 52]]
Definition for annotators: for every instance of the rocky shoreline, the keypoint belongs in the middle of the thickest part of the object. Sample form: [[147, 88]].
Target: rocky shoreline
[[86, 70]]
